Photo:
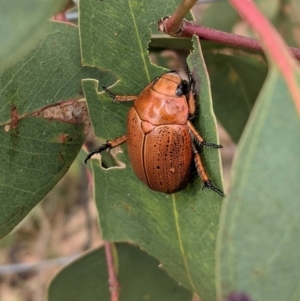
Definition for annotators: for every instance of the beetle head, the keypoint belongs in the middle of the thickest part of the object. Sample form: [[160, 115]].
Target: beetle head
[[171, 83], [183, 88]]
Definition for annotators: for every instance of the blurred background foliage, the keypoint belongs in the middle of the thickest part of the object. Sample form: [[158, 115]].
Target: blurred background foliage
[[65, 223]]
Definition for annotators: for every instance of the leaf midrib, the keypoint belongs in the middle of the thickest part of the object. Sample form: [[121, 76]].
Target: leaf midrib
[[139, 41], [181, 248]]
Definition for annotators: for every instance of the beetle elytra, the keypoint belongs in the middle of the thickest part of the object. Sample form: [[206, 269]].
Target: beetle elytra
[[162, 142]]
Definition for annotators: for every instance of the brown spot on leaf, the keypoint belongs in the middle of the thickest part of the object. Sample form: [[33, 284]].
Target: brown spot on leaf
[[62, 138], [14, 117]]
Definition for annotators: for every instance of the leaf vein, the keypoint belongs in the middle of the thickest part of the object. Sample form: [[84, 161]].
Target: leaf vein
[[139, 41], [181, 245]]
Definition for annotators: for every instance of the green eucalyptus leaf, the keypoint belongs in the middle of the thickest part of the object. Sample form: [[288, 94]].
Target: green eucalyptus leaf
[[22, 23], [225, 20], [37, 150], [236, 82], [138, 275], [287, 21], [259, 242]]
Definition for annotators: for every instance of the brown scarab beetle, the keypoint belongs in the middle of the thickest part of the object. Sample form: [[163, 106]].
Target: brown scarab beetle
[[162, 142]]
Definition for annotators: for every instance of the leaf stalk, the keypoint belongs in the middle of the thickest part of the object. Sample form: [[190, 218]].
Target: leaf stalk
[[112, 273]]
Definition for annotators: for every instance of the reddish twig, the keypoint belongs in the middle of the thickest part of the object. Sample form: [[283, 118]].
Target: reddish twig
[[187, 29], [173, 25], [273, 45], [112, 274], [176, 26]]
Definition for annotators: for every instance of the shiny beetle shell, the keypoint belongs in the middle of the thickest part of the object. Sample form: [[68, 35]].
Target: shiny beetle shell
[[162, 141], [158, 138]]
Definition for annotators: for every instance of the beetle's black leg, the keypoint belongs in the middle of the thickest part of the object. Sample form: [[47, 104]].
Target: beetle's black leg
[[209, 185], [202, 173], [110, 94], [199, 140], [109, 145], [119, 97], [97, 150], [209, 144]]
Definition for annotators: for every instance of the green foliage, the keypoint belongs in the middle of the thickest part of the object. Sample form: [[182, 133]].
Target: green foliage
[[225, 21], [236, 82], [138, 274], [22, 22], [34, 153], [33, 160], [257, 243]]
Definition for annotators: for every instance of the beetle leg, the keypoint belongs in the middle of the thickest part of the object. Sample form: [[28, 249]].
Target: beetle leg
[[198, 139], [119, 97], [202, 173], [191, 105], [108, 145], [191, 95]]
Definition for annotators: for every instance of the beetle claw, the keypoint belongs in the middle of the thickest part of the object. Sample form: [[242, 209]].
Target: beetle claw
[[208, 184], [211, 144], [98, 150]]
